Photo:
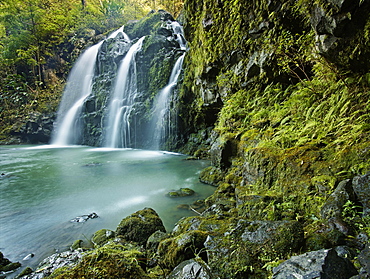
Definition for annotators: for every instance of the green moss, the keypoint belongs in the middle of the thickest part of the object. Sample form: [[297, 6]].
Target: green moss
[[140, 225], [77, 244], [173, 251], [211, 175], [102, 236], [182, 192], [26, 271], [110, 261]]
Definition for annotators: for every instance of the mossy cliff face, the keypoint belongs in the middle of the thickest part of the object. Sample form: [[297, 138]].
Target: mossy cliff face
[[276, 94]]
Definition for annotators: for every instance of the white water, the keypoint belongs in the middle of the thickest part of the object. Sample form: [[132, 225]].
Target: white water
[[119, 30], [162, 115], [179, 32], [122, 101], [78, 88]]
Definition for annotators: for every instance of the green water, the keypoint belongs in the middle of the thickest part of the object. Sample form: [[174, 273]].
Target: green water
[[43, 188]]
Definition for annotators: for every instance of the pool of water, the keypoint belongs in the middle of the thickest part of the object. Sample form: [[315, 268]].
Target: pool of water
[[43, 188]]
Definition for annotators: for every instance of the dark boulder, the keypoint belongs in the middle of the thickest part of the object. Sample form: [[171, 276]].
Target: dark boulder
[[364, 260], [333, 207], [192, 268], [6, 265], [361, 186], [316, 264]]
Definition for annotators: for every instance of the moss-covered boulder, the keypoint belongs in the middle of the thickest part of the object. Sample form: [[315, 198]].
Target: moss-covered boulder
[[240, 250], [140, 225], [110, 261], [182, 192], [102, 236], [211, 175], [6, 265], [154, 240], [188, 245]]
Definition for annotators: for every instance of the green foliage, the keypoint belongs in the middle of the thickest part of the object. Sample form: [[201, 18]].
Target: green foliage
[[352, 215], [36, 37]]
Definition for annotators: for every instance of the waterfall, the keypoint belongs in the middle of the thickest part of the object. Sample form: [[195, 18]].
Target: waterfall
[[113, 94], [118, 132], [78, 88], [119, 30], [179, 33], [162, 106]]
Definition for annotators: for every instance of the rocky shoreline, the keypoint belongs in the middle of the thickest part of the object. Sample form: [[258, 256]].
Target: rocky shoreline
[[220, 244]]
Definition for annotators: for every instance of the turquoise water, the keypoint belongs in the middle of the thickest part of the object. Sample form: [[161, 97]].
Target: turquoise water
[[43, 188]]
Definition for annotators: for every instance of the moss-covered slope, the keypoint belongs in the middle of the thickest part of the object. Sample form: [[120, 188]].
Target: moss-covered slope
[[285, 94]]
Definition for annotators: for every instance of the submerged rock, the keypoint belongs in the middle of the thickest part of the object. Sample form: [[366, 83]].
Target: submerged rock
[[182, 192], [84, 218], [316, 264]]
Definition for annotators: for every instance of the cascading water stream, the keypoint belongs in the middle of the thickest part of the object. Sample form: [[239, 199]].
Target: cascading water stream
[[162, 114], [122, 101], [179, 33], [119, 30], [78, 88]]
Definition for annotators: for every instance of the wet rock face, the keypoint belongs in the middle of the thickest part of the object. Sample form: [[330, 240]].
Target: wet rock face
[[316, 264], [355, 191], [361, 186], [191, 269], [37, 129], [139, 226], [336, 24], [364, 259]]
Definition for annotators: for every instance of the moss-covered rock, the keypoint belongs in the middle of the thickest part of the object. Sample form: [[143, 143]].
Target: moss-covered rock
[[102, 236], [6, 265], [211, 175], [139, 226], [173, 251], [182, 192], [77, 244], [240, 250], [110, 261]]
